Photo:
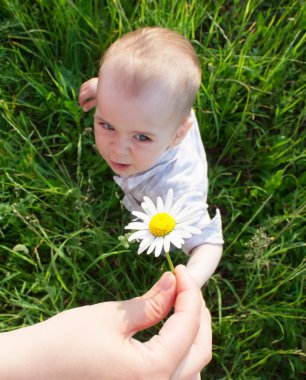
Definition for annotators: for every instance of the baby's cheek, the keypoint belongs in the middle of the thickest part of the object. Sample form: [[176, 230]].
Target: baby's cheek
[[150, 159]]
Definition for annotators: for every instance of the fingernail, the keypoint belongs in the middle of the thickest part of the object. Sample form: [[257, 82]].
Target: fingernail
[[166, 281]]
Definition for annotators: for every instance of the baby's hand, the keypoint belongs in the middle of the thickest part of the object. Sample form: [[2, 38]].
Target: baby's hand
[[88, 94]]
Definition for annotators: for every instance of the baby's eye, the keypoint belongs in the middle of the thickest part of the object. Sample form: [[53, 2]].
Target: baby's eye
[[107, 126], [142, 138]]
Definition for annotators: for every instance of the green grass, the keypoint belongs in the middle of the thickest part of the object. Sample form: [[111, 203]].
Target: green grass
[[60, 216]]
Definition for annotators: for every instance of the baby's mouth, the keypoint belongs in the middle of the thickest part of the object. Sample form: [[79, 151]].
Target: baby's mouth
[[119, 166]]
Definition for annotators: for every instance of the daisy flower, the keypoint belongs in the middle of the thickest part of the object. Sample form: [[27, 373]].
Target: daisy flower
[[162, 225]]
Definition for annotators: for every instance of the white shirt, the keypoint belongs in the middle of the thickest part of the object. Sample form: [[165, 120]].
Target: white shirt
[[184, 169]]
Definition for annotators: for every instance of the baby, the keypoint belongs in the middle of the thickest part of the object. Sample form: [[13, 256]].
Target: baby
[[146, 130]]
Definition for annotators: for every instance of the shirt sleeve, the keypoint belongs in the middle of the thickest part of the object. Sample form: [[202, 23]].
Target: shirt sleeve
[[211, 233], [211, 229]]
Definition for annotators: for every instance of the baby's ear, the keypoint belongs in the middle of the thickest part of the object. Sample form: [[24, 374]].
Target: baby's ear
[[181, 132]]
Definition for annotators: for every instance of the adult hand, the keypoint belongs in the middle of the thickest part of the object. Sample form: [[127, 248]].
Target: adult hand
[[96, 342], [88, 94]]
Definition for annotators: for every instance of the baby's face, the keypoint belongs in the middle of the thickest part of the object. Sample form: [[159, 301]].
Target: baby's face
[[131, 133]]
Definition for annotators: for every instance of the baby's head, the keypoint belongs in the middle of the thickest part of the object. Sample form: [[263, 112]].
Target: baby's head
[[148, 82], [155, 59]]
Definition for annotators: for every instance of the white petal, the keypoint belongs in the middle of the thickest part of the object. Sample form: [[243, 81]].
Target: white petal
[[136, 226], [169, 200], [187, 213], [149, 206], [141, 215], [145, 209], [159, 246], [138, 235], [188, 222], [166, 243], [159, 204], [146, 242], [183, 233], [152, 246], [176, 240], [176, 208], [191, 229]]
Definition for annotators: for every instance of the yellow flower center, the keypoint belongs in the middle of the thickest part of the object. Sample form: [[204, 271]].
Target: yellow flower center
[[161, 224]]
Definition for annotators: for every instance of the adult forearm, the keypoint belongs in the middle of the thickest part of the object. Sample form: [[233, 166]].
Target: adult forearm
[[20, 354]]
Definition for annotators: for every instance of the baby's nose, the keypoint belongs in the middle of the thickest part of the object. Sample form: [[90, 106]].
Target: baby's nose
[[120, 145]]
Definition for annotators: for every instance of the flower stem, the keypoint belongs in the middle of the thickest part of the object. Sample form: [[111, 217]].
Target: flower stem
[[170, 262]]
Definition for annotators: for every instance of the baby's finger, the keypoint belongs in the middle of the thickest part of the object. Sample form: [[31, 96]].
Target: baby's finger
[[85, 93], [89, 105], [82, 98]]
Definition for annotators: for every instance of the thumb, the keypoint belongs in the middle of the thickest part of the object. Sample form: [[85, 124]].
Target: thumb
[[152, 307]]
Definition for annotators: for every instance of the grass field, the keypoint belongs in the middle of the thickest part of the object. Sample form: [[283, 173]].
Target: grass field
[[60, 216]]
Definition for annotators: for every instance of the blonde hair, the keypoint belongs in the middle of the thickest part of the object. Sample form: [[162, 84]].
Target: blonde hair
[[159, 56]]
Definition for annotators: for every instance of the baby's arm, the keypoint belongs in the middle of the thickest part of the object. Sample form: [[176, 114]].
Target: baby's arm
[[88, 93], [203, 262]]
